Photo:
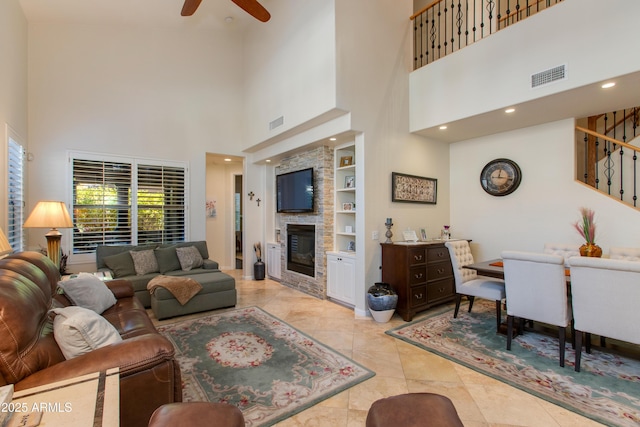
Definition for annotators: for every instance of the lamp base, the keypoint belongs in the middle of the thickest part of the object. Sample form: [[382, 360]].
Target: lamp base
[[53, 246]]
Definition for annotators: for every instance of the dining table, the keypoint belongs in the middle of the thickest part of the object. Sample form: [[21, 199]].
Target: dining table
[[492, 268]]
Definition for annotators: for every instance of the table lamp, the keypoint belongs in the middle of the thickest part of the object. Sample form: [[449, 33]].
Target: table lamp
[[53, 215], [5, 247]]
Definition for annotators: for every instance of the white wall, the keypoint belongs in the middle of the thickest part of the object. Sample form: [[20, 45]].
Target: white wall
[[289, 67], [162, 93], [545, 205], [494, 73], [13, 85]]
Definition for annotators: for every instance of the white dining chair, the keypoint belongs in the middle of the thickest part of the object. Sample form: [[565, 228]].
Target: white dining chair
[[565, 250], [604, 297], [469, 283], [536, 289], [629, 254]]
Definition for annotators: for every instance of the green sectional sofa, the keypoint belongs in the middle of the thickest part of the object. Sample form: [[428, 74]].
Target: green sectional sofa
[[218, 288]]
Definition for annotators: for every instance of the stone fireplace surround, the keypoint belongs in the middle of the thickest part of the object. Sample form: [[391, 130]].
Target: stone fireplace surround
[[321, 160]]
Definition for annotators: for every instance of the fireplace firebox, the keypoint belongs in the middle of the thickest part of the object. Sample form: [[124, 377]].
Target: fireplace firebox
[[301, 248]]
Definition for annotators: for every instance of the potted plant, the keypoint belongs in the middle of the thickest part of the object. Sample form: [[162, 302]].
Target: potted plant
[[258, 267], [586, 227]]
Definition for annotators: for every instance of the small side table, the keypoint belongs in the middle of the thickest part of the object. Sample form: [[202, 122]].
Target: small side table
[[88, 400]]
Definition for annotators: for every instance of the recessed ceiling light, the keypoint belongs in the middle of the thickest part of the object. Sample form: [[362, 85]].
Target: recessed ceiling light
[[333, 139], [443, 127], [608, 85], [228, 19], [227, 160], [509, 110], [268, 161]]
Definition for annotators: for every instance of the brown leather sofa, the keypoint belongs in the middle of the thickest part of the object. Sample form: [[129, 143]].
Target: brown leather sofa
[[30, 356]]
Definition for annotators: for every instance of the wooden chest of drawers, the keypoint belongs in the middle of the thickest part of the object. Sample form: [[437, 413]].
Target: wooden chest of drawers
[[421, 274]]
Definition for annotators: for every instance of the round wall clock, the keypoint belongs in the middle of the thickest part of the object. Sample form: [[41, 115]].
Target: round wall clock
[[500, 177]]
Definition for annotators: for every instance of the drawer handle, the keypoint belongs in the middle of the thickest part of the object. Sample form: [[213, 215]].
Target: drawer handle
[[441, 270], [441, 254], [418, 296], [441, 290], [418, 257], [418, 276]]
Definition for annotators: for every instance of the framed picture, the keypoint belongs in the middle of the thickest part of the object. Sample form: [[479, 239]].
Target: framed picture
[[423, 234], [346, 161], [348, 206], [413, 189], [352, 246], [350, 181]]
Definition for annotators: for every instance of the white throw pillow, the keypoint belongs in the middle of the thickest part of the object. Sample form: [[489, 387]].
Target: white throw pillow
[[144, 262], [189, 257], [78, 330], [88, 291]]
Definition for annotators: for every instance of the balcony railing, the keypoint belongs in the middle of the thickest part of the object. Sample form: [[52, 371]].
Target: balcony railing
[[446, 26]]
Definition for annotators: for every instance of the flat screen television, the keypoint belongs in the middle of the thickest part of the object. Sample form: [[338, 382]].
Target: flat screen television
[[294, 191]]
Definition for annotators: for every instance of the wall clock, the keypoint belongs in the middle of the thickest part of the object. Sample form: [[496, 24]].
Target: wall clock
[[500, 177]]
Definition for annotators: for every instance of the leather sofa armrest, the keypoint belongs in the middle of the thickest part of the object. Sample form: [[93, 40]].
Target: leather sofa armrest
[[132, 356], [121, 288], [209, 264]]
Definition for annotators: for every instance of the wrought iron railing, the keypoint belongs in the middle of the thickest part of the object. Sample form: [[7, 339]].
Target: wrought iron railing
[[446, 26], [608, 150]]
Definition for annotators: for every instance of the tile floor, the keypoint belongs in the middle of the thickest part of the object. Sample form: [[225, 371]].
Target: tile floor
[[400, 367]]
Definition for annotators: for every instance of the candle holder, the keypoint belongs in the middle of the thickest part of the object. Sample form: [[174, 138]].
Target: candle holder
[[389, 234]]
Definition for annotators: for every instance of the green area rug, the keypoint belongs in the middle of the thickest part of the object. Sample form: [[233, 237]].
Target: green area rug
[[259, 363], [607, 390]]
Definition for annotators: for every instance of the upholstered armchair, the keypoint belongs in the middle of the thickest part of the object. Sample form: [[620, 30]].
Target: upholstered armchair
[[604, 296], [469, 283], [536, 289], [565, 250], [629, 254]]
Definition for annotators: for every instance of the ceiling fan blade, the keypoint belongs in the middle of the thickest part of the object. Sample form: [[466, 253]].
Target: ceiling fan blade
[[253, 8], [190, 7]]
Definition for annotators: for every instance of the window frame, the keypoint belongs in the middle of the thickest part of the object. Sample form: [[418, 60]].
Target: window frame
[[135, 163], [15, 217]]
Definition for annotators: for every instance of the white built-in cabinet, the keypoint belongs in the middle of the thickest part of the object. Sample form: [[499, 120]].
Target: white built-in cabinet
[[341, 277], [341, 262], [274, 268]]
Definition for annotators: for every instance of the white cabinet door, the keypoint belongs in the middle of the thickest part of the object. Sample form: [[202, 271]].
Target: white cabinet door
[[341, 277], [273, 260]]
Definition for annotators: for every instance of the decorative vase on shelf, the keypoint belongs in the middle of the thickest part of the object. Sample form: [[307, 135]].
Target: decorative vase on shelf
[[591, 250], [382, 301]]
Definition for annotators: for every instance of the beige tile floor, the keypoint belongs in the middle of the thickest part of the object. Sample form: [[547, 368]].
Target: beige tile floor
[[399, 367]]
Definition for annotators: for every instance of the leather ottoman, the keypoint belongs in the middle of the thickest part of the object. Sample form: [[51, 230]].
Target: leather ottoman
[[413, 410], [194, 414]]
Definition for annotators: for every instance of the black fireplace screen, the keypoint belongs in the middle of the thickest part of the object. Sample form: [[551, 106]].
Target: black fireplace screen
[[301, 249]]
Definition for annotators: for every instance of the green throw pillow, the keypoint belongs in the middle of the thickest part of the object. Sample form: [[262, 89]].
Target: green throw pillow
[[121, 264], [167, 259]]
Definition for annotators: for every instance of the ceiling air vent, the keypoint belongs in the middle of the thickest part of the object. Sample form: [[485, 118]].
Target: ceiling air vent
[[276, 123], [549, 76]]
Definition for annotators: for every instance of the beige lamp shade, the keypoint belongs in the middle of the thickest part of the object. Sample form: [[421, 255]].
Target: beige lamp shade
[[49, 214], [5, 247], [53, 215]]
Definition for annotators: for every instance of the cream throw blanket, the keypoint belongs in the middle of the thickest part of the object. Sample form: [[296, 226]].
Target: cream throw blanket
[[183, 288]]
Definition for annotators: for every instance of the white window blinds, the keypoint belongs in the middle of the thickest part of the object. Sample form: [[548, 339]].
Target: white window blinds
[[126, 202], [15, 202]]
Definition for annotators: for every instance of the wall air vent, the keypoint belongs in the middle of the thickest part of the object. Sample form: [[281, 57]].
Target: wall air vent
[[549, 76], [276, 123]]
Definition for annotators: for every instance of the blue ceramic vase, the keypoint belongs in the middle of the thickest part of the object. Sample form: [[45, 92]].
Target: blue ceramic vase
[[381, 297]]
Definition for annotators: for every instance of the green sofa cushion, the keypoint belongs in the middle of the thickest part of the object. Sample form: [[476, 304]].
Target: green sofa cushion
[[121, 264], [167, 259]]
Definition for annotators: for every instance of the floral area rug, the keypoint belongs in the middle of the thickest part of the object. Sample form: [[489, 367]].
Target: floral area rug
[[253, 360], [606, 390]]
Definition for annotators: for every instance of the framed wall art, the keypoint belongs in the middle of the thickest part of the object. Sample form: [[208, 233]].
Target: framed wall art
[[413, 189]]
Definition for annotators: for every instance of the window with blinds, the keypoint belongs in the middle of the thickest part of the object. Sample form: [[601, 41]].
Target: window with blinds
[[15, 202], [126, 202]]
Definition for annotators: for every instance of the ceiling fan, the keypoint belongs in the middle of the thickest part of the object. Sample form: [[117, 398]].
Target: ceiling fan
[[252, 7]]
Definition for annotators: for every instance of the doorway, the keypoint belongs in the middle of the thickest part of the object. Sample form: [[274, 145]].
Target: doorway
[[237, 216]]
